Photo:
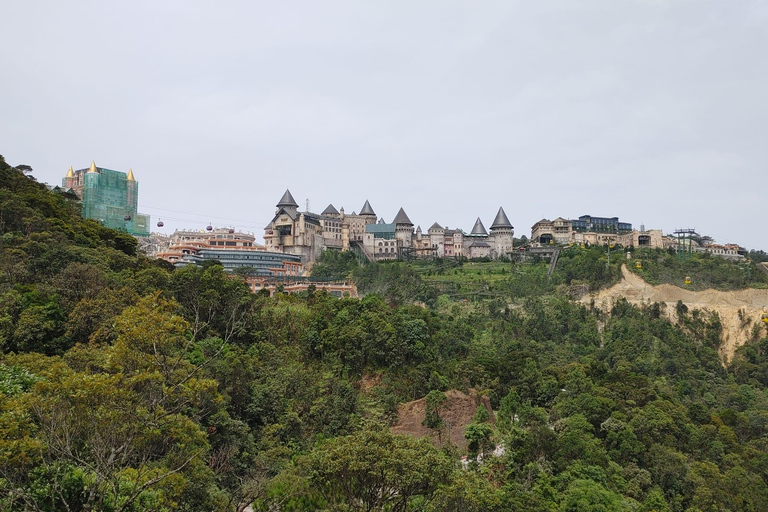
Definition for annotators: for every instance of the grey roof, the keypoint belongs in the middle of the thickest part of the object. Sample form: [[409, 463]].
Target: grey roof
[[479, 229], [501, 221], [287, 200], [331, 210], [402, 218], [367, 210], [480, 244], [435, 226], [292, 214]]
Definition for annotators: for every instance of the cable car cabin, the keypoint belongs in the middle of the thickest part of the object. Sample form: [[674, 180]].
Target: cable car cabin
[[209, 228], [231, 230], [687, 279], [127, 217], [160, 224], [638, 265]]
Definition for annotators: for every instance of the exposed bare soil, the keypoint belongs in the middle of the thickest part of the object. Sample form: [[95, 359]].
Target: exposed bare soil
[[457, 412], [727, 304]]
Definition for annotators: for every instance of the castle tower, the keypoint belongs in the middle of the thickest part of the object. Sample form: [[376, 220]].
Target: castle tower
[[436, 234], [403, 228], [331, 211], [502, 234], [368, 213], [479, 230], [287, 202], [476, 242]]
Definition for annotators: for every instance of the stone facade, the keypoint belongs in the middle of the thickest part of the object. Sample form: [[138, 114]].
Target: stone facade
[[563, 232], [307, 234]]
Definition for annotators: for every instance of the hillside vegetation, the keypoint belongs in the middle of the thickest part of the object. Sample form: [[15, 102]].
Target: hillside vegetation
[[126, 385], [704, 270]]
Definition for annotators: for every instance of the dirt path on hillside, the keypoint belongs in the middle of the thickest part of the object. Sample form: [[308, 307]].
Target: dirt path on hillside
[[727, 304]]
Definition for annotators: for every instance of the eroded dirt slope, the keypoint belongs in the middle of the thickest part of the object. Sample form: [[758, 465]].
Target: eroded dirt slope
[[457, 413], [727, 304]]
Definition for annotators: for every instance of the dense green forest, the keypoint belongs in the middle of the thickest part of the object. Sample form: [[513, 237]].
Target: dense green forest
[[126, 385]]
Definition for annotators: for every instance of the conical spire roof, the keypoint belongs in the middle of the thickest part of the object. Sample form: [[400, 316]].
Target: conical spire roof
[[402, 218], [93, 166], [435, 226], [479, 229], [330, 210], [287, 200], [367, 210], [70, 172], [130, 175], [501, 220]]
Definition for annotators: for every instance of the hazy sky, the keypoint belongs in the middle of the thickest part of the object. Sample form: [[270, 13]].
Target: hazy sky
[[654, 111]]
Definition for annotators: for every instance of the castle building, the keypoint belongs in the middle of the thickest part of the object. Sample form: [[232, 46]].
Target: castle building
[[558, 231], [478, 246], [594, 231], [108, 196], [502, 235], [307, 234]]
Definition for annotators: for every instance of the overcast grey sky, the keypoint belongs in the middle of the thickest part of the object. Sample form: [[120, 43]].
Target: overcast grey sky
[[651, 110]]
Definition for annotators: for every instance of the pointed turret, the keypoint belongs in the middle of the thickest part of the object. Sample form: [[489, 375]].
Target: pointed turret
[[330, 210], [501, 221], [130, 175], [435, 226], [367, 210], [93, 167], [287, 201], [402, 218], [479, 229], [70, 172]]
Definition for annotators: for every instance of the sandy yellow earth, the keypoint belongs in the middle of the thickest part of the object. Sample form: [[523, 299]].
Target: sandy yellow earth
[[737, 327]]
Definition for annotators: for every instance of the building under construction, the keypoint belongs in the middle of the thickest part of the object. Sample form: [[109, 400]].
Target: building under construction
[[110, 197]]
